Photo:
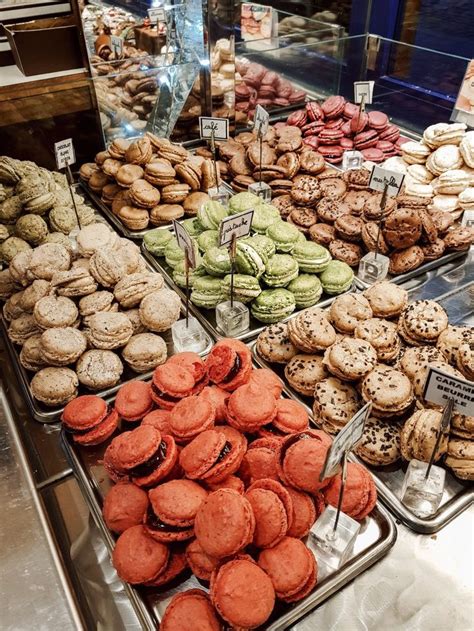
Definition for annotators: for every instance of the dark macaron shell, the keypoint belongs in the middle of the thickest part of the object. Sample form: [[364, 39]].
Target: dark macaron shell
[[125, 505], [133, 400], [160, 466], [137, 557]]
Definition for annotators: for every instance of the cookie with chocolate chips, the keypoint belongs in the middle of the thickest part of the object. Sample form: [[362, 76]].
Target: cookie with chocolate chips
[[380, 444], [274, 344]]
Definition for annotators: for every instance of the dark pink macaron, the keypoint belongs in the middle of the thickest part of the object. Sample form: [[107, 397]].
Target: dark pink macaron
[[378, 120], [366, 139], [373, 154], [314, 110], [333, 106], [297, 119]]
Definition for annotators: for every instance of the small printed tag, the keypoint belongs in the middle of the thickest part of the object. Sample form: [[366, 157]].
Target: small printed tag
[[261, 120], [468, 218], [116, 42], [441, 386], [157, 14], [345, 441], [380, 177], [209, 124], [65, 154], [185, 242], [237, 226], [363, 88]]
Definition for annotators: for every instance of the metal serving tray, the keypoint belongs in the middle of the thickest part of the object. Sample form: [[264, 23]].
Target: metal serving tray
[[44, 414], [207, 317], [458, 494], [377, 536], [425, 267]]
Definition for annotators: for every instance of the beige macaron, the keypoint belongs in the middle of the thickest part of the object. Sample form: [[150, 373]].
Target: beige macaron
[[160, 309], [62, 346], [55, 311], [109, 330], [131, 289], [54, 386], [99, 369], [144, 352]]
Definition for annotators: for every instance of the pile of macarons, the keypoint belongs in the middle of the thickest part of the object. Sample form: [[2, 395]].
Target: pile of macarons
[[375, 347], [80, 317], [217, 474], [337, 125], [277, 269]]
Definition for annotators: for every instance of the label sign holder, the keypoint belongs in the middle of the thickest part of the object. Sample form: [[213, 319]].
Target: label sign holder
[[65, 156], [232, 228], [211, 126], [186, 244], [381, 178], [157, 14], [440, 386], [116, 43], [363, 92]]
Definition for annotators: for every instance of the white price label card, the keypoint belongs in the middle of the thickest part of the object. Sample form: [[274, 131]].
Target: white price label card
[[157, 14], [363, 88], [235, 226], [65, 154], [468, 218], [185, 242], [345, 441], [441, 386], [261, 120], [116, 42], [380, 177], [209, 124], [463, 111]]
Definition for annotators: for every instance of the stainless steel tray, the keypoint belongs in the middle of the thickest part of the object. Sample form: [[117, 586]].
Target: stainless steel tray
[[44, 414], [425, 267], [458, 495], [207, 317], [377, 536]]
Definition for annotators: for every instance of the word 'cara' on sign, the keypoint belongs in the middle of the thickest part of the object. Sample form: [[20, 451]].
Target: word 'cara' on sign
[[441, 386]]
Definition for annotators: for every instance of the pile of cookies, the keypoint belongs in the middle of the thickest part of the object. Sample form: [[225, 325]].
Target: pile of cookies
[[72, 316], [221, 479], [337, 125], [278, 270], [440, 168], [36, 207], [340, 212], [149, 180], [376, 347]]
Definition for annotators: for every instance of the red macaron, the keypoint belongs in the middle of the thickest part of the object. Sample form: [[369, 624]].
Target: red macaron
[[125, 505], [89, 420], [333, 106], [202, 565], [176, 565], [360, 494], [229, 364], [190, 609], [195, 364], [331, 153], [249, 408], [366, 139], [273, 510], [304, 513], [301, 460], [218, 399], [137, 557], [314, 111], [266, 379], [171, 383], [260, 461], [159, 419], [297, 119], [133, 400], [191, 416]]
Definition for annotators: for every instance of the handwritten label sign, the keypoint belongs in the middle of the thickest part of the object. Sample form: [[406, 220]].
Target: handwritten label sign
[[441, 386], [209, 124], [157, 14], [346, 440], [116, 43], [185, 242], [363, 89], [235, 226], [379, 178], [261, 120], [65, 154]]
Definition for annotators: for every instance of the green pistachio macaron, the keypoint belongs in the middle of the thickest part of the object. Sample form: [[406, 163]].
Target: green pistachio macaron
[[246, 287], [208, 239], [216, 261], [207, 292], [179, 274], [211, 214], [263, 245], [337, 277], [284, 235], [264, 216], [156, 241], [243, 201], [280, 270], [306, 289], [312, 257], [193, 226], [273, 305], [248, 260], [173, 253]]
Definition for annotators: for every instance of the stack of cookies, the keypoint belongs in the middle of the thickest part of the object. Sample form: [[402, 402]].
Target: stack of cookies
[[440, 168], [278, 270], [73, 316], [374, 347], [36, 207], [340, 212], [149, 180], [220, 478]]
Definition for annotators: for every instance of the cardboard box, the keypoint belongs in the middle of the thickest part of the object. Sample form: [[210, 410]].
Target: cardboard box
[[45, 45]]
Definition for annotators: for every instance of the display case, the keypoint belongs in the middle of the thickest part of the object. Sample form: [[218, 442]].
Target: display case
[[410, 96]]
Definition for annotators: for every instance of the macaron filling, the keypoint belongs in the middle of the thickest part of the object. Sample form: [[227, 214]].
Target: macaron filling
[[153, 522], [149, 466]]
